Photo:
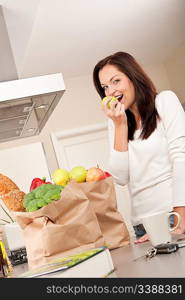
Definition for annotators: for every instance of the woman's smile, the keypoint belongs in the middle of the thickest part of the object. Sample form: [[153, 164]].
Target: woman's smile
[[120, 98], [116, 83]]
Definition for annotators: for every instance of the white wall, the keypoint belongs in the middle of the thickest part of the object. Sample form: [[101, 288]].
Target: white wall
[[22, 164], [175, 67], [80, 106], [159, 76]]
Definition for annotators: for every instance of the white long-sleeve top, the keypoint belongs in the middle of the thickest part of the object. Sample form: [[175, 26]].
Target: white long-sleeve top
[[154, 168]]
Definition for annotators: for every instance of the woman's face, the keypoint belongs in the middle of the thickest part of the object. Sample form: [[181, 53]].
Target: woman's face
[[116, 83]]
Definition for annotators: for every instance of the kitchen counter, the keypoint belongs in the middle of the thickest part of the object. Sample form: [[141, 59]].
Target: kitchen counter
[[19, 269], [162, 265]]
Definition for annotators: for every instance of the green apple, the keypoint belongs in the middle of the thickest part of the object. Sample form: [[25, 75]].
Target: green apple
[[60, 176], [78, 174], [111, 99]]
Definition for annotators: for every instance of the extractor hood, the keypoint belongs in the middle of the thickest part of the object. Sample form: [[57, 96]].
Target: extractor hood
[[26, 105]]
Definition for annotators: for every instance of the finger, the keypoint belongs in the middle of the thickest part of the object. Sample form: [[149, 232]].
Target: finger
[[143, 239], [119, 111], [177, 231], [105, 109], [113, 105], [122, 108]]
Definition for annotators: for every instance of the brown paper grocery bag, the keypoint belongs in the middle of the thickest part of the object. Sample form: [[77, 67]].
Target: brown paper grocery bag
[[63, 227], [102, 195]]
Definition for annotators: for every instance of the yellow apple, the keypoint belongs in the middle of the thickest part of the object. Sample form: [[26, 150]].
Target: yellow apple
[[78, 174], [111, 99], [60, 176]]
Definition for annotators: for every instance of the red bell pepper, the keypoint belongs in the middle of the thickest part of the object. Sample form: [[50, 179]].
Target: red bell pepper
[[107, 174], [37, 182]]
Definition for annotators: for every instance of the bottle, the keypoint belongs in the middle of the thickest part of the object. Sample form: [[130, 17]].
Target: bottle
[[2, 273], [5, 266]]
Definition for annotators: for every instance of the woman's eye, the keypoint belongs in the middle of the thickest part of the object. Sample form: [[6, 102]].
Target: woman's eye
[[116, 81]]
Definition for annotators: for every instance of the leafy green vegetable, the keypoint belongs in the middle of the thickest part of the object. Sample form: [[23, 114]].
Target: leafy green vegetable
[[41, 196], [41, 202], [32, 205]]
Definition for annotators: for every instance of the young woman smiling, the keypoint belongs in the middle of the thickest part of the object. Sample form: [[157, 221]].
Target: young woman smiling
[[146, 137]]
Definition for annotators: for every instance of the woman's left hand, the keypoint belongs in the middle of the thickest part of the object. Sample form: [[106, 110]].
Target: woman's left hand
[[142, 239]]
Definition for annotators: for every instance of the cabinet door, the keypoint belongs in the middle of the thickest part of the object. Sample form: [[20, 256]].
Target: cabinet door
[[89, 147]]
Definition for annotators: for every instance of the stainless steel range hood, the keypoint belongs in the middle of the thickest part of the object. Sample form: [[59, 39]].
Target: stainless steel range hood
[[26, 105]]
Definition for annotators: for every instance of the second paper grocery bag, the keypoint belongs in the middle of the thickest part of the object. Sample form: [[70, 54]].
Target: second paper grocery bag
[[102, 196]]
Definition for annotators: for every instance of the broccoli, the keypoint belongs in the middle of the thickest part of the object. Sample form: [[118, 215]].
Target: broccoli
[[41, 202], [41, 190], [32, 205], [27, 198], [52, 195], [41, 196]]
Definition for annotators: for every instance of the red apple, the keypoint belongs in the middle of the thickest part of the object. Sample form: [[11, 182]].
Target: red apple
[[95, 174]]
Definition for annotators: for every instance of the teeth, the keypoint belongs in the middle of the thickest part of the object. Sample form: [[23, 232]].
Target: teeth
[[119, 97]]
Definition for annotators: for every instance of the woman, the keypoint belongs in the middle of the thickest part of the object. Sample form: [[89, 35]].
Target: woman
[[147, 138]]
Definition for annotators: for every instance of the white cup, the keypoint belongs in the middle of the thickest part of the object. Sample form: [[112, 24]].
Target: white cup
[[158, 228]]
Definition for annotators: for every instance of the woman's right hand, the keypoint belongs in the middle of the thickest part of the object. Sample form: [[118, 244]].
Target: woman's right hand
[[116, 112]]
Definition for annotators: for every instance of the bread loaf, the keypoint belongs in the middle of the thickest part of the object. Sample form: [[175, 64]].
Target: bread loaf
[[14, 200], [6, 185], [11, 195]]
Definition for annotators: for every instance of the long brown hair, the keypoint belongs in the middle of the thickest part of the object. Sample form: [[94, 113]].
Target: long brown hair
[[145, 91]]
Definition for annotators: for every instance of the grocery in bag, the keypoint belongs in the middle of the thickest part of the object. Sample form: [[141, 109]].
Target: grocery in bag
[[63, 227]]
